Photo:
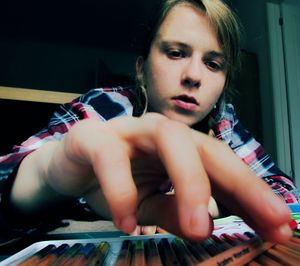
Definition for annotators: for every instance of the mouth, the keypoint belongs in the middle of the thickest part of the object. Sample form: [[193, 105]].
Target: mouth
[[185, 102], [186, 98]]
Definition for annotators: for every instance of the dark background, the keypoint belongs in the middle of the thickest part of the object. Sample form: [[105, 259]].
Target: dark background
[[104, 23], [71, 45]]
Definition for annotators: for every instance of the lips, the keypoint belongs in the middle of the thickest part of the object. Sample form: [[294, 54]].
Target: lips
[[186, 98], [185, 102]]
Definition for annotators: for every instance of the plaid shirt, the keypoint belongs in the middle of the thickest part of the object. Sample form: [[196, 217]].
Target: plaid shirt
[[106, 103]]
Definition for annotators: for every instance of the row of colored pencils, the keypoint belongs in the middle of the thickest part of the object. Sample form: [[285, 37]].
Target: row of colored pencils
[[222, 250]]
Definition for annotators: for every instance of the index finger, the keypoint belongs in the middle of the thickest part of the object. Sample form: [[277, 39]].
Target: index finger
[[181, 158], [173, 143], [241, 191]]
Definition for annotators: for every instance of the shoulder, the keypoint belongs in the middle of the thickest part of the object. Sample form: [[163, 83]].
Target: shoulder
[[226, 126], [223, 112], [106, 103], [222, 120], [113, 94]]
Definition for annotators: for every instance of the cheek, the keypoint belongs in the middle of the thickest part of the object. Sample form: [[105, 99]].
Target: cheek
[[215, 91], [219, 89], [218, 84], [155, 72], [156, 77]]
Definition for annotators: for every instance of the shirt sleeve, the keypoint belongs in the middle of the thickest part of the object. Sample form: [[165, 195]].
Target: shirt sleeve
[[102, 104], [251, 152]]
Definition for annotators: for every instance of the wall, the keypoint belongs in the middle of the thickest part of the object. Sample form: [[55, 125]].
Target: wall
[[60, 66], [70, 45], [290, 12]]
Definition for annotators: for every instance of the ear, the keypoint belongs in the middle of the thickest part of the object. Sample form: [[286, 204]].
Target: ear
[[139, 65]]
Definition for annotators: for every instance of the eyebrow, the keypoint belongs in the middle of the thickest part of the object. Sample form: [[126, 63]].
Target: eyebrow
[[215, 54], [168, 43]]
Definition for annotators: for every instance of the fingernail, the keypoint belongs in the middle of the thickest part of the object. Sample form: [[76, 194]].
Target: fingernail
[[149, 230], [128, 224], [199, 223], [293, 224], [136, 231], [285, 230]]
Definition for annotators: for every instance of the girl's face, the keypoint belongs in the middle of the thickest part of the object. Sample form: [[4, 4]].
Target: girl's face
[[184, 73]]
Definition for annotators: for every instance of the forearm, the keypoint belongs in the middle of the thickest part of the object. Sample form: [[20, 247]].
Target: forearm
[[50, 176], [30, 193]]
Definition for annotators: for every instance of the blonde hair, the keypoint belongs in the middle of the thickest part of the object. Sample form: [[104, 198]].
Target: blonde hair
[[226, 25]]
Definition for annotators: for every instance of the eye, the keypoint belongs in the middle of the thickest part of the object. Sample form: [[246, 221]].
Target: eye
[[214, 66], [175, 54]]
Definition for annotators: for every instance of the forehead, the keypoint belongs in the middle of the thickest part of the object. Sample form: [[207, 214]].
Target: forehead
[[189, 24]]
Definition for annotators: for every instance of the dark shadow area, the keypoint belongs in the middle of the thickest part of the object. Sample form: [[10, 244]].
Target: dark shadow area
[[20, 120]]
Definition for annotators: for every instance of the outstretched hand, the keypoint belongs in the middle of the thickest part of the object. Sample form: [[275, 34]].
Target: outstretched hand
[[120, 167]]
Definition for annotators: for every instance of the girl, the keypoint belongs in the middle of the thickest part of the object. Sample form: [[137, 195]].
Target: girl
[[117, 152]]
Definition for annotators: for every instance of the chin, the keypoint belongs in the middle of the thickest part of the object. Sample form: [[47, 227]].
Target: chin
[[186, 119]]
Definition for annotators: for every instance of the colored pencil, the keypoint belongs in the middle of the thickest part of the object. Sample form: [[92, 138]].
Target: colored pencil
[[295, 240], [50, 258], [231, 239], [38, 256], [296, 233], [265, 260], [253, 263], [100, 254], [70, 253], [240, 254], [249, 234], [293, 245], [152, 253], [281, 257], [167, 253], [227, 249], [293, 252], [241, 237], [138, 256], [211, 246], [185, 257], [82, 256], [198, 251], [222, 245], [124, 257]]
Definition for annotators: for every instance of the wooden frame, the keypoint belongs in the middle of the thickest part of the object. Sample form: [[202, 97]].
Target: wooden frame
[[43, 96]]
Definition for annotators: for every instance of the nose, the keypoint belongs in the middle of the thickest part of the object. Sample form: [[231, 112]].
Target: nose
[[192, 73]]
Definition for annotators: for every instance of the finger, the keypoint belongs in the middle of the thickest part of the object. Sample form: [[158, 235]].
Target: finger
[[183, 164], [150, 212], [140, 132], [151, 134], [213, 208], [241, 191], [267, 227], [112, 166], [110, 160], [137, 231], [149, 229], [161, 230]]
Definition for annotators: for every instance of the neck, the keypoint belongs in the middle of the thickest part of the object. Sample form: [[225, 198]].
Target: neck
[[202, 125]]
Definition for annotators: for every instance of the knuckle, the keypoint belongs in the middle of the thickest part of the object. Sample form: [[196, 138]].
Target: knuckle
[[124, 197], [92, 139], [83, 128], [210, 144], [154, 117], [168, 126]]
